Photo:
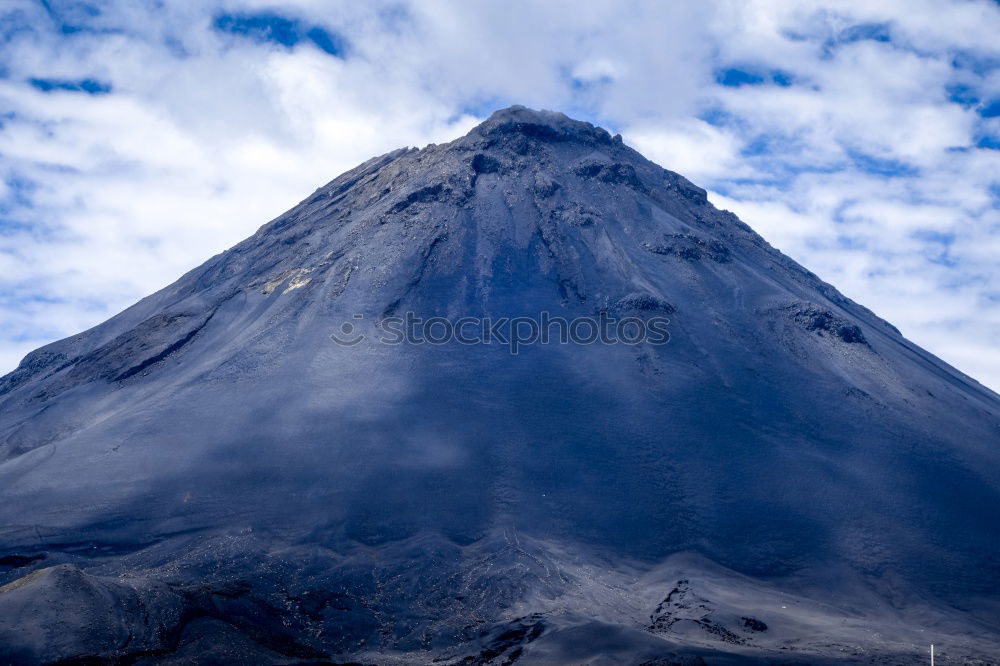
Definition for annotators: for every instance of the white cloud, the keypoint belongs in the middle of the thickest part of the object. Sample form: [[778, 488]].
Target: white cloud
[[692, 147], [864, 168]]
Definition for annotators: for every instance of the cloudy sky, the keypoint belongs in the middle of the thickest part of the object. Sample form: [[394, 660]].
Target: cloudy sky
[[140, 137]]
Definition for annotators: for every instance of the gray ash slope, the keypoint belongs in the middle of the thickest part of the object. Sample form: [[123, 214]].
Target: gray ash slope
[[206, 476]]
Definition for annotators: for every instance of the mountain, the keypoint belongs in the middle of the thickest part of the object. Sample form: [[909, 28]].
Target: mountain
[[210, 477]]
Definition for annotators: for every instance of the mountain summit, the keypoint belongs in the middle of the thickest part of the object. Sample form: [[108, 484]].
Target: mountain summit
[[245, 468]]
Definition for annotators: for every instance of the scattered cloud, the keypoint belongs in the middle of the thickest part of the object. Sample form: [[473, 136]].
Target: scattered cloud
[[139, 138]]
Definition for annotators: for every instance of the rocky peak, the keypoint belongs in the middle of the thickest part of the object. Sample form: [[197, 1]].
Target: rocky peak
[[543, 126]]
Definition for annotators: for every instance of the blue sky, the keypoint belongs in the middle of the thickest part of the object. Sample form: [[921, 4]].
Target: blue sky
[[140, 137]]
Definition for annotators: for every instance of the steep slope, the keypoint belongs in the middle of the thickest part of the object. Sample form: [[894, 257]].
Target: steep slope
[[208, 473]]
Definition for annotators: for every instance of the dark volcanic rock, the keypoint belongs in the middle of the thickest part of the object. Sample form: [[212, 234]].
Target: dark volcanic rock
[[824, 322], [208, 478], [691, 248]]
